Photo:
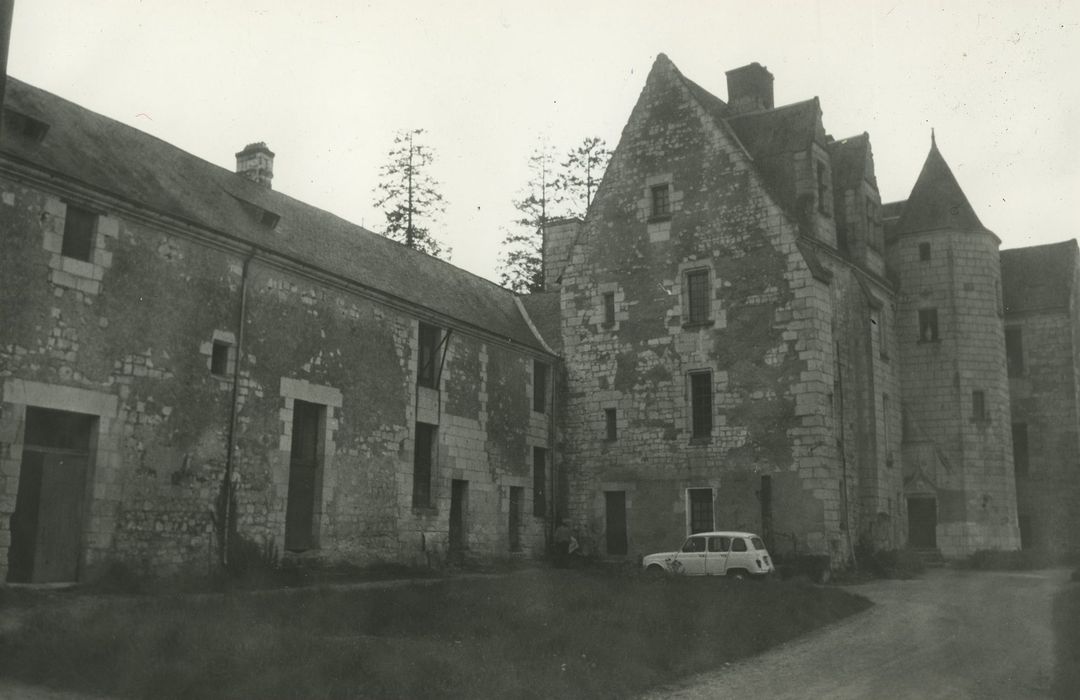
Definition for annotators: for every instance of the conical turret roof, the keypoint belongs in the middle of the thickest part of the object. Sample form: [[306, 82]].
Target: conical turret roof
[[936, 201]]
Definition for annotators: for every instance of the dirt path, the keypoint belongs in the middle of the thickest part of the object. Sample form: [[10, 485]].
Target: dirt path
[[951, 634]]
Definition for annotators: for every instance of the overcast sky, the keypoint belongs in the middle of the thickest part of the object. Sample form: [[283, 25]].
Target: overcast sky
[[327, 83]]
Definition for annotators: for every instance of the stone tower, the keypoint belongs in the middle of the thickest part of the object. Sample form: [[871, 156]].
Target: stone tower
[[959, 485]]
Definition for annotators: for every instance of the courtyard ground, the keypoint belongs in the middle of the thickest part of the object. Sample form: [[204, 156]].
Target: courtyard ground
[[534, 634]]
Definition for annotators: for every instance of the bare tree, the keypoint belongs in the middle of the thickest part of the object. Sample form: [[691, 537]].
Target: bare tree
[[581, 173], [409, 195], [521, 267]]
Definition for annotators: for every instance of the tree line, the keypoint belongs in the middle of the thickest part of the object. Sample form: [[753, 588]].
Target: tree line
[[410, 199]]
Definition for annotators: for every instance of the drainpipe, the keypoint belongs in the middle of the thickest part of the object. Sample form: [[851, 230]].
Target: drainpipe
[[843, 458], [234, 409]]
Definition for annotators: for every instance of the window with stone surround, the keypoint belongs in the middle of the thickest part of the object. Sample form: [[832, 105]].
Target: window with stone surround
[[540, 386], [608, 300], [220, 358], [80, 225], [661, 202], [978, 406], [822, 188], [539, 481], [701, 410], [1020, 448], [700, 508], [698, 296], [924, 252], [426, 361], [424, 446], [1014, 350], [611, 430], [928, 325]]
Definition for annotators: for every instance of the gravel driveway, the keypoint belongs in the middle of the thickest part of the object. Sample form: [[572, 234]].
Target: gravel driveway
[[951, 634]]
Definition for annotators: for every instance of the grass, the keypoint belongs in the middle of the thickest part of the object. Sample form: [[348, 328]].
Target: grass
[[1067, 641], [569, 634]]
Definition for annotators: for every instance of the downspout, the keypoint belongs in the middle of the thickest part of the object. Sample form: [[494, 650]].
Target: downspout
[[843, 457], [234, 409]]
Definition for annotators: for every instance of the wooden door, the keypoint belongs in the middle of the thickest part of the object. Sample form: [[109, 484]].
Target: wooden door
[[60, 517], [615, 519], [459, 494], [303, 478], [922, 523]]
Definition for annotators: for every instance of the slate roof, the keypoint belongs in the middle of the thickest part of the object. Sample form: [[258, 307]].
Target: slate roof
[[126, 163], [1038, 278], [543, 309], [782, 130], [937, 202]]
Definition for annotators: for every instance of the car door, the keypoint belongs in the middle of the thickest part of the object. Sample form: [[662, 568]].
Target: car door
[[691, 558], [717, 555], [740, 557]]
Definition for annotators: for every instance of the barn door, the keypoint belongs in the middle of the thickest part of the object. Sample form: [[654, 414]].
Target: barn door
[[303, 477], [60, 516]]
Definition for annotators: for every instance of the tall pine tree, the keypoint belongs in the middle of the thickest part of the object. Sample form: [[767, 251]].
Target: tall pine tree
[[521, 268], [409, 195], [581, 174]]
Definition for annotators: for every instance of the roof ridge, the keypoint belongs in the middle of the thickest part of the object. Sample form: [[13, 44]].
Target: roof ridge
[[774, 110]]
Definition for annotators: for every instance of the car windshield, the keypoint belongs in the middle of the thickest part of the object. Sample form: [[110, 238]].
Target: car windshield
[[758, 544]]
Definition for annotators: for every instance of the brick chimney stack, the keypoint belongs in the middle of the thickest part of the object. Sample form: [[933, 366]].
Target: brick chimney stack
[[256, 163], [750, 89]]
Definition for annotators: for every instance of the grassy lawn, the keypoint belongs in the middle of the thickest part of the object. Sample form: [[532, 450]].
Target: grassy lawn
[[567, 634]]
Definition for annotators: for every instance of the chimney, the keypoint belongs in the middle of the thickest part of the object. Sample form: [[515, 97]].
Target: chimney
[[256, 163], [750, 89]]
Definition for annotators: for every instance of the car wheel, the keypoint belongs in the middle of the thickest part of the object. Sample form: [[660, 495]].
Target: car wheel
[[655, 572]]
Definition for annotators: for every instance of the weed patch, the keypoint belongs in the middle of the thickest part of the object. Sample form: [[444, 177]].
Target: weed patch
[[572, 634]]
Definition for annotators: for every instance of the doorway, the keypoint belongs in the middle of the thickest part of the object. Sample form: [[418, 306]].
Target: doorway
[[922, 522], [303, 477], [47, 525], [615, 520], [459, 499]]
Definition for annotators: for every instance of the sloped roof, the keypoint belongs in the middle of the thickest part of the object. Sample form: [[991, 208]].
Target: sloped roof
[[850, 158], [937, 202], [543, 309], [1038, 278], [788, 129], [126, 163]]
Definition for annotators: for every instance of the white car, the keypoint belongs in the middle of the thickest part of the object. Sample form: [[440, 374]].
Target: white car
[[735, 554]]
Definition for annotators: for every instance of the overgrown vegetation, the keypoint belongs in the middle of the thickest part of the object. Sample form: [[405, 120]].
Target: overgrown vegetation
[[570, 634]]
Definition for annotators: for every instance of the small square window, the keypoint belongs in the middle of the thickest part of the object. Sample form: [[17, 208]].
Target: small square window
[[609, 308], [79, 228], [924, 251], [219, 358], [661, 201], [610, 424]]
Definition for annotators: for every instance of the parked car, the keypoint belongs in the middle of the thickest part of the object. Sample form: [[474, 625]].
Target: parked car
[[735, 554]]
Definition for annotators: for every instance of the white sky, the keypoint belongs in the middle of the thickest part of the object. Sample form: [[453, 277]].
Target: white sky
[[327, 83]]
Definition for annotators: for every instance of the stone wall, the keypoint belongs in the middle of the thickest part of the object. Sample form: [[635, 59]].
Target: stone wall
[[129, 337]]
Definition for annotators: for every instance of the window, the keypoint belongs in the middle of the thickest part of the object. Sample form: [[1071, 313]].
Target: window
[[539, 481], [661, 201], [423, 458], [540, 383], [694, 544], [701, 510], [928, 325], [1020, 448], [697, 296], [517, 497], [719, 544], [701, 404], [822, 189], [738, 544], [609, 308], [924, 251], [978, 406], [610, 425], [426, 363], [1014, 351], [220, 355], [79, 227]]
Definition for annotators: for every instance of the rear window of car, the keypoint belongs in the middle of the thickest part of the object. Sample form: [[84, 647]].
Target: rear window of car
[[738, 544], [758, 544]]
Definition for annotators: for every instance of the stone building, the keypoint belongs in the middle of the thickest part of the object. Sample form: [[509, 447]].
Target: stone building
[[183, 347], [739, 334]]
